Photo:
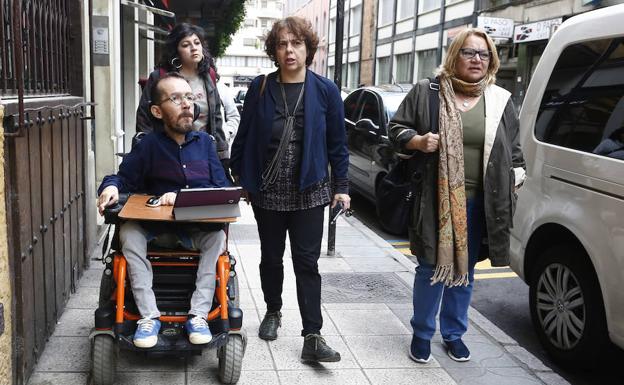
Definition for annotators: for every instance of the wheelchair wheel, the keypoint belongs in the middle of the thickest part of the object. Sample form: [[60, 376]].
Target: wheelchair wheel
[[103, 360], [231, 359]]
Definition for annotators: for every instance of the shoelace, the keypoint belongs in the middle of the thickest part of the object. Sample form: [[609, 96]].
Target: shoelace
[[146, 325], [199, 323], [317, 339]]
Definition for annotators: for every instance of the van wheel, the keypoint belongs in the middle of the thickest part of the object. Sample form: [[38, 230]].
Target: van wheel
[[103, 360], [566, 306], [231, 359]]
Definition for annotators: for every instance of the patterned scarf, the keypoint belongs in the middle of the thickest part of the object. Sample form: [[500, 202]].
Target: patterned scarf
[[452, 257]]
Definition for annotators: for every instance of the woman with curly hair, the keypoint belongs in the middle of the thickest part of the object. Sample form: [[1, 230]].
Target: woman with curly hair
[[186, 53], [292, 128]]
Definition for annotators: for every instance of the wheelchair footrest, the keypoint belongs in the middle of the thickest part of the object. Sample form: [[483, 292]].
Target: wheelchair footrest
[[178, 344]]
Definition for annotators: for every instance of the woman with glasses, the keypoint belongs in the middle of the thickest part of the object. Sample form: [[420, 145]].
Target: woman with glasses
[[186, 53], [468, 166], [291, 130]]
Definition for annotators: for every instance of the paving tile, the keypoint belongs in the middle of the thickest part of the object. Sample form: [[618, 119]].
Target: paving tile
[[75, 323], [325, 376], [333, 265], [248, 377], [362, 250], [130, 361], [425, 376], [291, 324], [485, 353], [257, 357], [374, 265], [404, 315], [66, 354], [91, 278], [142, 378], [246, 299], [289, 299], [251, 321], [46, 378], [377, 352], [287, 354], [367, 322], [84, 298], [355, 306], [492, 376]]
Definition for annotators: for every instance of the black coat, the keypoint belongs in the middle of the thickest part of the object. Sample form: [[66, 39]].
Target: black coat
[[503, 165]]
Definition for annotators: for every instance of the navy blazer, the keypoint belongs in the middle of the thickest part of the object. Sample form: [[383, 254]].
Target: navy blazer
[[324, 134]]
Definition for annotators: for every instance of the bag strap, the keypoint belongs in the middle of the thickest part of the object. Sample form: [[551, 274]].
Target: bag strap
[[263, 85], [434, 104]]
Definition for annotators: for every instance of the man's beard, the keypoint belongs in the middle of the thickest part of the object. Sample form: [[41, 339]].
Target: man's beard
[[181, 128]]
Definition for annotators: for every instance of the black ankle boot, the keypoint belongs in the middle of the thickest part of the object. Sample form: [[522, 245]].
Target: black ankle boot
[[315, 349], [269, 325]]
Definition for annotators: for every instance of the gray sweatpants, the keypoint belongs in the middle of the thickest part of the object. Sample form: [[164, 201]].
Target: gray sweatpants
[[134, 247]]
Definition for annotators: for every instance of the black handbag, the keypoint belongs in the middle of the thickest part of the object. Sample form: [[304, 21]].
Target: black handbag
[[395, 193]]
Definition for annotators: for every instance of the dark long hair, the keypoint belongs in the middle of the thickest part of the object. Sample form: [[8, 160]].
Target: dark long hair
[[178, 33]]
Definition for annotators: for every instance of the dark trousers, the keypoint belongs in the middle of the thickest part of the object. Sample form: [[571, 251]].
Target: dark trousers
[[305, 230]]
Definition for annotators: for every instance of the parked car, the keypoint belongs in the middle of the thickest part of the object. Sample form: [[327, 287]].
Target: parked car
[[368, 111], [239, 98], [568, 237]]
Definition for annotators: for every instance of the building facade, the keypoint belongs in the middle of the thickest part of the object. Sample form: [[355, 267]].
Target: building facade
[[317, 12], [245, 57]]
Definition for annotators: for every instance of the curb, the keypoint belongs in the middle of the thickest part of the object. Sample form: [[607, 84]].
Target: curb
[[511, 346]]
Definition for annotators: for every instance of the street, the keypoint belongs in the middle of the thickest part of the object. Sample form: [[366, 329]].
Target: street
[[501, 296]]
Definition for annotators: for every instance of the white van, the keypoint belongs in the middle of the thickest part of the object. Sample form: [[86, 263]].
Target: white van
[[568, 237]]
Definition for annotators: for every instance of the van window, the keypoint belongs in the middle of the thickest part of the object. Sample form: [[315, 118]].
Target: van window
[[583, 105]]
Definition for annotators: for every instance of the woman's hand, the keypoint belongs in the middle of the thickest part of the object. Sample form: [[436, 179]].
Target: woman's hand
[[344, 198], [424, 143]]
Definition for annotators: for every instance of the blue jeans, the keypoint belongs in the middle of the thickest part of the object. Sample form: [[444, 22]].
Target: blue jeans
[[455, 300]]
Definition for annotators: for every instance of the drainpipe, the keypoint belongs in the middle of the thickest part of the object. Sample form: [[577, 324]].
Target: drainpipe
[[441, 37]]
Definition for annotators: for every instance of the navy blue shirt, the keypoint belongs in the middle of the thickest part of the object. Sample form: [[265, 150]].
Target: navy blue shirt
[[157, 165]]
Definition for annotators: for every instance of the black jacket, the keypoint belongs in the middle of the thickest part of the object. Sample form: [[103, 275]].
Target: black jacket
[[504, 169]]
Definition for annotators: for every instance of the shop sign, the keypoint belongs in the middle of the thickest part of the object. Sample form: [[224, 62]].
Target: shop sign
[[496, 26], [540, 30]]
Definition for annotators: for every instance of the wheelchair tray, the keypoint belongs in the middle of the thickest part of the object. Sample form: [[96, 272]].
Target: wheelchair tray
[[136, 209]]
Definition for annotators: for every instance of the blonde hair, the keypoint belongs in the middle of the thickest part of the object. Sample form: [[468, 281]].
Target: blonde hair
[[447, 69]]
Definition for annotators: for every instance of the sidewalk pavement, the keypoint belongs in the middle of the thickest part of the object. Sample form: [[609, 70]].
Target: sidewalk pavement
[[366, 311]]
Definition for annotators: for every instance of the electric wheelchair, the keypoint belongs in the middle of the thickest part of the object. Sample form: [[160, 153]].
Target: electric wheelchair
[[174, 273]]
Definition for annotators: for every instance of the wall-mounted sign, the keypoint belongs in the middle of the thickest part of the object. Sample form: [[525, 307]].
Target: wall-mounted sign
[[535, 31], [496, 26], [100, 40]]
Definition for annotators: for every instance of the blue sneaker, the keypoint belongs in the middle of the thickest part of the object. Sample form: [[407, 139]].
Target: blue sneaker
[[457, 350], [146, 334], [420, 350], [198, 330]]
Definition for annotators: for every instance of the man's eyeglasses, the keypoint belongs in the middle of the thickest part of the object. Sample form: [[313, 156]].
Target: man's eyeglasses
[[178, 98], [469, 53]]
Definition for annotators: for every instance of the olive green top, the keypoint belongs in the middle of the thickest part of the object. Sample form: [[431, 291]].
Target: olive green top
[[473, 122]]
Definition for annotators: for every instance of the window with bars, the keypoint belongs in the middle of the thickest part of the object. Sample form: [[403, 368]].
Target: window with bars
[[47, 51]]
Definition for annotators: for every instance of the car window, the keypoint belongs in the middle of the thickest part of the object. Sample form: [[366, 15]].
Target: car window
[[583, 105], [391, 102], [370, 108], [350, 105]]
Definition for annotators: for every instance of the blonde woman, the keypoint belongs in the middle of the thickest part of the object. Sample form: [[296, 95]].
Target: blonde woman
[[466, 189]]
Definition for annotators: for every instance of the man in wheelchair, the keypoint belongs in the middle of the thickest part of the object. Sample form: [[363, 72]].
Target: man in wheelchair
[[161, 164]]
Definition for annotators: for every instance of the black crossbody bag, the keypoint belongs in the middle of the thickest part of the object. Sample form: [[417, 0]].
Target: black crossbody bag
[[395, 193]]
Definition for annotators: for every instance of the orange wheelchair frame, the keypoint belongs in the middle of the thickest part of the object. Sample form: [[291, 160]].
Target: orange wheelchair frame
[[115, 320]]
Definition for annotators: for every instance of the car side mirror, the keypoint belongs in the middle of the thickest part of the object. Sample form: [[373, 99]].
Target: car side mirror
[[367, 127]]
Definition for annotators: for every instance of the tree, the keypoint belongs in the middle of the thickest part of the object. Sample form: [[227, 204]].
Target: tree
[[231, 22]]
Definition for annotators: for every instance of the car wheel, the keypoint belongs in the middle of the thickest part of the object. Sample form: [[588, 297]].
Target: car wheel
[[566, 306]]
